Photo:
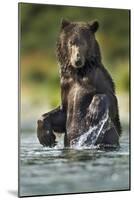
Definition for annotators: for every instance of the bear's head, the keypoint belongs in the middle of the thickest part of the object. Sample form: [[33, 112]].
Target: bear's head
[[77, 43]]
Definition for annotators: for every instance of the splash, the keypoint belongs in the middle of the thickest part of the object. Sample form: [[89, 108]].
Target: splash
[[94, 134]]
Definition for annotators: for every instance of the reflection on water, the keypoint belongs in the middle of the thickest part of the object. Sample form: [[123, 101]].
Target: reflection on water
[[53, 171]]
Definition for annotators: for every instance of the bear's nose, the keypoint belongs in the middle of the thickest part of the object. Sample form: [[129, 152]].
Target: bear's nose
[[78, 62]]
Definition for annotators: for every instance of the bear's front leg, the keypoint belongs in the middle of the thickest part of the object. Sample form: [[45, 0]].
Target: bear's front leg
[[45, 132], [97, 119], [98, 107], [54, 120], [99, 123]]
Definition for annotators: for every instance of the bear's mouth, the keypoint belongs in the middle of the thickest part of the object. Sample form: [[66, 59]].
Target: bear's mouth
[[78, 63], [90, 63]]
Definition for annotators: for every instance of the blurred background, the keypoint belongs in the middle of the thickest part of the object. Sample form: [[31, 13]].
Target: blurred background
[[39, 70]]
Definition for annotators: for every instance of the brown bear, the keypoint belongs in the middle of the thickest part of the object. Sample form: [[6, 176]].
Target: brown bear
[[87, 91]]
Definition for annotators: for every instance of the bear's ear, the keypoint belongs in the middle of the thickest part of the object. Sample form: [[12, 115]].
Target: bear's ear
[[94, 26], [64, 23]]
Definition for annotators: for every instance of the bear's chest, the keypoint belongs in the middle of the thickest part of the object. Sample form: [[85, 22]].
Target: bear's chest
[[79, 96], [77, 93], [78, 101]]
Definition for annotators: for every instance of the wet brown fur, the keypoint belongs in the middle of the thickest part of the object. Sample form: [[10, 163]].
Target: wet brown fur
[[81, 85]]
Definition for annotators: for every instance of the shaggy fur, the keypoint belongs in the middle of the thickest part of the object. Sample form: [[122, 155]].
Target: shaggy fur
[[86, 91]]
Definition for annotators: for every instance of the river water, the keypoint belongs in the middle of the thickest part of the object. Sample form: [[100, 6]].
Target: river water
[[45, 171]]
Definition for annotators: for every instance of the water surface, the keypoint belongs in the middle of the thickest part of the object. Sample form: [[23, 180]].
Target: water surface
[[46, 171]]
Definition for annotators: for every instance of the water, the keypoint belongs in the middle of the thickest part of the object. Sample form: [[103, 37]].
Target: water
[[46, 171], [94, 132]]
